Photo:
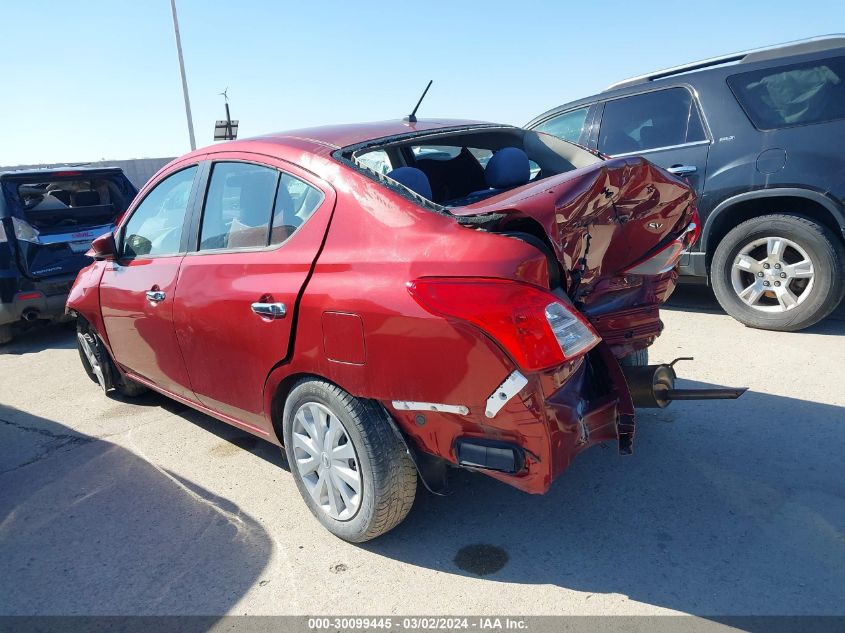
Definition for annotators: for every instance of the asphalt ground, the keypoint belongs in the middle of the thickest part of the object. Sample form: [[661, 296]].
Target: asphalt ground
[[147, 507]]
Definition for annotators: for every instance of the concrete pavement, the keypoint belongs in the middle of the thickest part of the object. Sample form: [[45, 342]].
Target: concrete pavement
[[110, 507]]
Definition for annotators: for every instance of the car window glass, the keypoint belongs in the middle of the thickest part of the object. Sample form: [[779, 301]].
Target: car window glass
[[296, 201], [566, 126], [156, 225], [811, 92], [662, 118], [238, 206], [377, 160]]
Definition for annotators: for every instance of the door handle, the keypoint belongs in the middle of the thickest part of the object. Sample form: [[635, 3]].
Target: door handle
[[682, 170], [154, 296], [269, 310]]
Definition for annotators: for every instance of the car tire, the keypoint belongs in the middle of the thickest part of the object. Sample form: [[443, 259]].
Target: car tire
[[99, 366], [366, 448], [5, 334], [637, 359], [750, 266]]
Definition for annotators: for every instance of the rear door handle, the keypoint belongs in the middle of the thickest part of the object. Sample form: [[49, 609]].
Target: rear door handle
[[682, 170], [270, 310], [154, 296]]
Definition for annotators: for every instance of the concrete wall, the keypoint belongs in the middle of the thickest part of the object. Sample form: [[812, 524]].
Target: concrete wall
[[138, 170]]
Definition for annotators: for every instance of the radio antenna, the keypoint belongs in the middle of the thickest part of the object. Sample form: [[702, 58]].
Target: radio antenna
[[412, 118]]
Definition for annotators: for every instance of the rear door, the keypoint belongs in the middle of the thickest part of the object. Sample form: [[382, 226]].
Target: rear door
[[137, 290], [263, 222], [665, 126]]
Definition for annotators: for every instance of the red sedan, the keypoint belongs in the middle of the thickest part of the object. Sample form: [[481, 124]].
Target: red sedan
[[390, 300]]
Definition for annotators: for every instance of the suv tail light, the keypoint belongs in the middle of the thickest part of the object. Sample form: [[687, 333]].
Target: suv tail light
[[24, 231], [666, 257], [536, 328]]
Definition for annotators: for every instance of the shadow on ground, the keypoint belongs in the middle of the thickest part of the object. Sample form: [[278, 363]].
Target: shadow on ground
[[725, 508], [40, 336], [87, 527], [700, 298]]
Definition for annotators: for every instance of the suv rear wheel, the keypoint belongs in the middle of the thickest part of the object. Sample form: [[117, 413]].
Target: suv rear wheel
[[351, 467], [779, 272]]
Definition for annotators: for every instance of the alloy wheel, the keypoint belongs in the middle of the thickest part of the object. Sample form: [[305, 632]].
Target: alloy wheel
[[327, 461], [87, 344], [772, 274]]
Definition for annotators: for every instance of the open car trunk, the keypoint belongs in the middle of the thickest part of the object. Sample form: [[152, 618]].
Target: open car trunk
[[51, 217]]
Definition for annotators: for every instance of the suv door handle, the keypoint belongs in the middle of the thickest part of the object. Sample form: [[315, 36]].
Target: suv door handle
[[269, 310], [154, 296], [682, 170]]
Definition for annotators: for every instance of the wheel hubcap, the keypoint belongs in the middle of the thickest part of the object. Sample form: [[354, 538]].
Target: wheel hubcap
[[87, 346], [326, 461], [772, 274]]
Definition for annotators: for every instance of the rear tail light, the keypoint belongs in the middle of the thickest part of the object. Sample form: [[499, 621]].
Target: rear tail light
[[667, 257], [25, 232], [536, 328]]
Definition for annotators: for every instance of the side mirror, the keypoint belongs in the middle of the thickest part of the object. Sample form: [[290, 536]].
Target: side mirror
[[103, 248]]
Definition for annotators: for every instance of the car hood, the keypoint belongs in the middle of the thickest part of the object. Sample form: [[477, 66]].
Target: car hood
[[599, 219]]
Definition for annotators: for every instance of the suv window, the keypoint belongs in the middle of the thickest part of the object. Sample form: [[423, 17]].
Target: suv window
[[811, 92], [651, 120], [566, 126], [238, 206], [156, 225]]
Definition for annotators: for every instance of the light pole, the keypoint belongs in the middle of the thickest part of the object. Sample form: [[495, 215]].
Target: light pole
[[184, 80]]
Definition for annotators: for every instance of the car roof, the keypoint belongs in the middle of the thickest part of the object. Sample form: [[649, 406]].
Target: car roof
[[66, 171], [338, 136], [677, 74]]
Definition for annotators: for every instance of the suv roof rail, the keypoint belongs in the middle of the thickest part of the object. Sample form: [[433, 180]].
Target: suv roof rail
[[796, 47]]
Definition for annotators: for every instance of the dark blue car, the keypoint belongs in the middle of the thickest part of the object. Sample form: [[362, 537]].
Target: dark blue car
[[48, 218]]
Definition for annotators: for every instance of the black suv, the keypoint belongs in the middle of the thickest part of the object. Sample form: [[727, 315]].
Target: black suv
[[48, 218], [760, 135]]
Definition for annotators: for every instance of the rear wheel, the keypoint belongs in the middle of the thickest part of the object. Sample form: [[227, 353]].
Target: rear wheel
[[637, 359], [779, 272], [99, 366], [349, 464]]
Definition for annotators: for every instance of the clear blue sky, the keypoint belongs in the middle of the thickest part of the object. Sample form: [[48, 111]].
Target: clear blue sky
[[91, 79]]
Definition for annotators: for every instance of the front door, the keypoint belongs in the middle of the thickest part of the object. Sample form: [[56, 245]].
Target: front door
[[664, 126], [261, 228], [137, 290]]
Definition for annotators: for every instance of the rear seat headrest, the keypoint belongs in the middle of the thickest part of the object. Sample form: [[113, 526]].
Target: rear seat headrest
[[414, 179], [509, 167]]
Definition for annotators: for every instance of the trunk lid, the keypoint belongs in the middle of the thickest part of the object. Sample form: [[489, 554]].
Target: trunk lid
[[599, 219]]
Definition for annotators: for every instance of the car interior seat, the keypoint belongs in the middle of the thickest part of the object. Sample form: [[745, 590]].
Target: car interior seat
[[414, 179], [506, 169]]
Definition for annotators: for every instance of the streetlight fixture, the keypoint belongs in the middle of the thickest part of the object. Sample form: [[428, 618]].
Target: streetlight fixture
[[184, 80]]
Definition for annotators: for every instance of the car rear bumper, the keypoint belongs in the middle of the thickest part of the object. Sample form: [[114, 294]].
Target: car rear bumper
[[36, 300], [534, 438]]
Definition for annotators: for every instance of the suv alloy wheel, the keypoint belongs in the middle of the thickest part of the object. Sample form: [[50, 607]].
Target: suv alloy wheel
[[779, 272]]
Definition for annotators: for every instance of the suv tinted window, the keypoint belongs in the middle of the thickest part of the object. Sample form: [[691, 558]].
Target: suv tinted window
[[155, 227], [662, 118], [238, 206], [566, 126], [798, 94]]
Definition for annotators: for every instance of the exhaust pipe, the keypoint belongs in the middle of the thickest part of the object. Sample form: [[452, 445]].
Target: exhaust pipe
[[653, 387], [30, 314]]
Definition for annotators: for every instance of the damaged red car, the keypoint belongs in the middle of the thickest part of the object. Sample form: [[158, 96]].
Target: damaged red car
[[391, 300]]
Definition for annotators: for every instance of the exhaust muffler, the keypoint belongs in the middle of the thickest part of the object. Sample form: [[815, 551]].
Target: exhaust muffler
[[653, 387]]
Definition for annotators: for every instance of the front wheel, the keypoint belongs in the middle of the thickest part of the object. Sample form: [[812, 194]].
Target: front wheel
[[349, 464], [99, 366], [779, 272]]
